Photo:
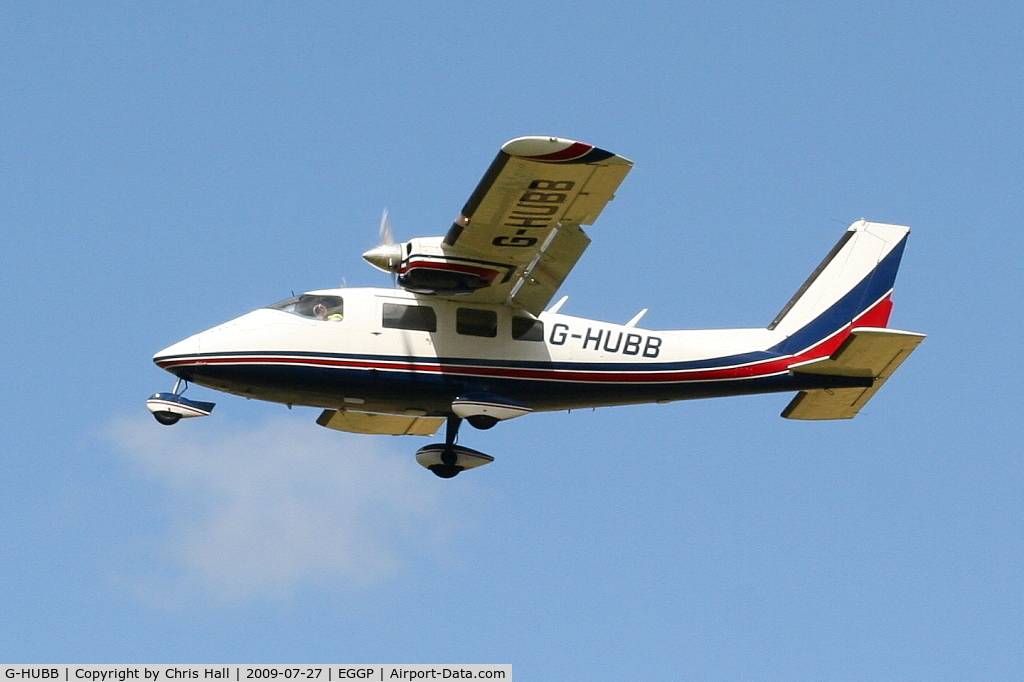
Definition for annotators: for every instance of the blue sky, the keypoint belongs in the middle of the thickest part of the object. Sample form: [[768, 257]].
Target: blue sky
[[167, 166]]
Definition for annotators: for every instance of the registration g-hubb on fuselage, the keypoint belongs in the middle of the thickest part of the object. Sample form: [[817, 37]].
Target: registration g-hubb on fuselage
[[468, 333]]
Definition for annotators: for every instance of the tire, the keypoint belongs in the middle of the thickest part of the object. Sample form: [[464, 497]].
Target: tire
[[446, 470], [167, 418]]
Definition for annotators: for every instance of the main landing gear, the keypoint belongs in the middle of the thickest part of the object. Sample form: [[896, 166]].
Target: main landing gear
[[447, 459], [482, 411]]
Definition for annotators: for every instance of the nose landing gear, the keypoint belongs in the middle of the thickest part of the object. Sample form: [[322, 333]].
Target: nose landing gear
[[169, 408], [447, 460]]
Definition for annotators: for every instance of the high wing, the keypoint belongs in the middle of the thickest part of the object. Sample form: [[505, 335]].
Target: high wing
[[519, 234]]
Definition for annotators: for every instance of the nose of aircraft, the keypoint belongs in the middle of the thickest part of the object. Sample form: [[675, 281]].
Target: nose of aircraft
[[190, 346], [214, 340]]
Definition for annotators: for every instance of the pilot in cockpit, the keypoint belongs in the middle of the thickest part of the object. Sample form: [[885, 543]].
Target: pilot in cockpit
[[322, 312], [321, 307]]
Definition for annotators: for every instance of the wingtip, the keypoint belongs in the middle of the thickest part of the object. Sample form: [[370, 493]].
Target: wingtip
[[541, 146], [548, 149]]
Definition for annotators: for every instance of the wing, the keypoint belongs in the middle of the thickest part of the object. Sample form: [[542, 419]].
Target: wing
[[519, 234]]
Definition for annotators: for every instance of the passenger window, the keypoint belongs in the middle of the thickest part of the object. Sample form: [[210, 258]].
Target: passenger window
[[527, 329], [417, 317], [474, 322]]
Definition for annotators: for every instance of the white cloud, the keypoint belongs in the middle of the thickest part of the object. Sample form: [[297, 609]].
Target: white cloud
[[259, 511]]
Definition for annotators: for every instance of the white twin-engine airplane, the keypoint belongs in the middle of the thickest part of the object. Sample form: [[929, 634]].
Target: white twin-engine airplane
[[467, 336]]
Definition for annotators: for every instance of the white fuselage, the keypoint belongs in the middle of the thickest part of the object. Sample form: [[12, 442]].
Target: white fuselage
[[360, 358]]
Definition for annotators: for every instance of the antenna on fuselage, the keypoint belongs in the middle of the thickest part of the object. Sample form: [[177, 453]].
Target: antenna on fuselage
[[636, 318], [558, 306]]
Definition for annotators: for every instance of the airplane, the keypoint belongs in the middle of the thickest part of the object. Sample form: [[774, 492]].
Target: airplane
[[467, 333]]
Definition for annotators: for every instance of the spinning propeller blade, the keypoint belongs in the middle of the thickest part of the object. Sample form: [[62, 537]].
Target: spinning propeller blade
[[387, 237], [386, 256]]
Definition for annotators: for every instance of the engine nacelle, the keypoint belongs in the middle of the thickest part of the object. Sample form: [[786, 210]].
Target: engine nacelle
[[424, 266], [429, 275]]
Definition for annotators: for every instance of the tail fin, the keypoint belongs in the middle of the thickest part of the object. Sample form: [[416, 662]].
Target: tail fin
[[850, 288]]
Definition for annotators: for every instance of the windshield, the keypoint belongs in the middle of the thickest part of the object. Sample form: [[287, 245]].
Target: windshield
[[314, 305]]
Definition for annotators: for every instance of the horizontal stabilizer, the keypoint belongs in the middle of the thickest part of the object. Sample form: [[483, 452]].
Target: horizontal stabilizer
[[869, 352], [384, 424]]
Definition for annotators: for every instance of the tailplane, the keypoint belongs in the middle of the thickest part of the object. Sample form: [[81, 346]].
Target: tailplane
[[868, 352]]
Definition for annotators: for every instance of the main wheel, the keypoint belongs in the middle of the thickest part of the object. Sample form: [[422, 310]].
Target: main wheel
[[482, 421], [167, 418], [446, 470]]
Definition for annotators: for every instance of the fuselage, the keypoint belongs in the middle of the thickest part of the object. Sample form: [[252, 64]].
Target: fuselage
[[393, 351]]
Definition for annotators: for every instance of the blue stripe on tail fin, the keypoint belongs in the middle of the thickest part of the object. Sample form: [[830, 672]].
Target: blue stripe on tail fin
[[856, 275]]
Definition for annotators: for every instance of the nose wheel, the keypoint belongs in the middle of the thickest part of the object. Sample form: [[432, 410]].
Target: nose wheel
[[448, 460]]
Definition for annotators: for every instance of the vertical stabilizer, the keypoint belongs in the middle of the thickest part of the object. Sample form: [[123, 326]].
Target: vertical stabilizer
[[852, 285]]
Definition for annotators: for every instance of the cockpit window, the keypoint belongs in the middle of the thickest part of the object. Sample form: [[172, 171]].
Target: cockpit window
[[319, 307]]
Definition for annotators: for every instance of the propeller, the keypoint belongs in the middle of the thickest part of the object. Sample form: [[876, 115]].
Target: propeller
[[387, 236], [387, 256]]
